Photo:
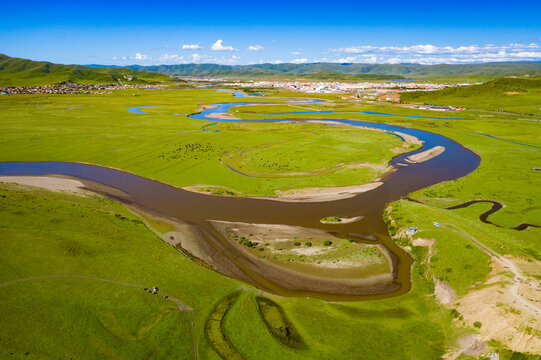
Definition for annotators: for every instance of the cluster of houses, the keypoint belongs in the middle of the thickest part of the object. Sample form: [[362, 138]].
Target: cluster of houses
[[69, 88]]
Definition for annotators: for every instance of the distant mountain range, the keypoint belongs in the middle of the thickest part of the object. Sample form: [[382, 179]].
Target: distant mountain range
[[325, 70], [23, 72]]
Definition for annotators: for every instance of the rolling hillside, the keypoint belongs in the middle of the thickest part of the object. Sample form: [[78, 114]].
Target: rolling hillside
[[23, 72], [503, 94], [394, 70]]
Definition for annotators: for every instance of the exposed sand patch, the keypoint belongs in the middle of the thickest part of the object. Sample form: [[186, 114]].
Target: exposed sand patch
[[408, 138], [206, 107], [323, 194], [444, 293], [325, 122], [46, 182], [426, 155], [511, 93], [470, 345], [423, 242], [507, 307], [224, 116]]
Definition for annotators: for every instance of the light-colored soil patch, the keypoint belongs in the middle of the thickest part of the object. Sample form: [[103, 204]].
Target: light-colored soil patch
[[470, 345], [324, 122], [444, 293], [206, 107], [312, 251], [46, 182], [426, 155], [507, 305], [511, 93], [324, 194], [409, 139], [225, 116]]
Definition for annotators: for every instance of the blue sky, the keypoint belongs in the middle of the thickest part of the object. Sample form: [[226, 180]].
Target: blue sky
[[246, 32]]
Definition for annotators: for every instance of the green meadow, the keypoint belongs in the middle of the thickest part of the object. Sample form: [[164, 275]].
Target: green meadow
[[95, 312], [516, 95], [85, 236], [168, 146]]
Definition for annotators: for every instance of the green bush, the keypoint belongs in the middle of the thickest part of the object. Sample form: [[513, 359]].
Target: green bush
[[308, 244], [477, 324], [334, 219], [297, 243], [327, 243]]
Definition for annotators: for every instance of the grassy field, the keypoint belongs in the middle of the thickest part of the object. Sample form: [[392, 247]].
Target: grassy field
[[94, 237], [171, 147], [503, 94], [23, 72], [83, 236]]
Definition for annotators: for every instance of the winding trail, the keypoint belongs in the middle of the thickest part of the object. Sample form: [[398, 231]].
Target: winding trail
[[180, 305]]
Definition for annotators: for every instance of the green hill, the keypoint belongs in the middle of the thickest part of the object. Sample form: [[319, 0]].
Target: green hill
[[503, 94], [23, 72], [323, 76], [394, 70]]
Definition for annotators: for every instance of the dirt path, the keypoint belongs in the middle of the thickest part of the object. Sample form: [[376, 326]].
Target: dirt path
[[522, 303]]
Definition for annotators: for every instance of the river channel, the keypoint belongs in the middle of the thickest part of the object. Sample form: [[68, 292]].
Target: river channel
[[197, 209]]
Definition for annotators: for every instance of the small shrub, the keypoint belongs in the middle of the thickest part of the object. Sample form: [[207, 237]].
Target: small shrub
[[296, 243], [327, 243], [308, 244], [477, 324]]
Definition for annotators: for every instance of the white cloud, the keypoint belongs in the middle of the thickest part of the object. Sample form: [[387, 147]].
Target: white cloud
[[139, 56], [300, 61], [191, 47], [198, 58], [217, 46], [296, 53], [124, 58], [115, 58], [347, 59], [171, 57], [431, 54], [255, 47]]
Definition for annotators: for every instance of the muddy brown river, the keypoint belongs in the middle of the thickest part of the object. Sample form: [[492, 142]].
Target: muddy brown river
[[197, 209]]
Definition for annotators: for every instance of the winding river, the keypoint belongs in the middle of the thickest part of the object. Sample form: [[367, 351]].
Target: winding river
[[196, 209]]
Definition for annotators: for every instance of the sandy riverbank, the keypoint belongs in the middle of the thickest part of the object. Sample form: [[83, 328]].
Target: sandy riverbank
[[426, 155], [46, 182]]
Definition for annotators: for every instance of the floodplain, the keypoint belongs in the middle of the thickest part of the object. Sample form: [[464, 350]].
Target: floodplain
[[107, 246]]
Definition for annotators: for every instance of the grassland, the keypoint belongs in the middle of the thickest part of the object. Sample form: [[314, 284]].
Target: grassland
[[169, 146], [23, 72], [518, 95], [84, 236]]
